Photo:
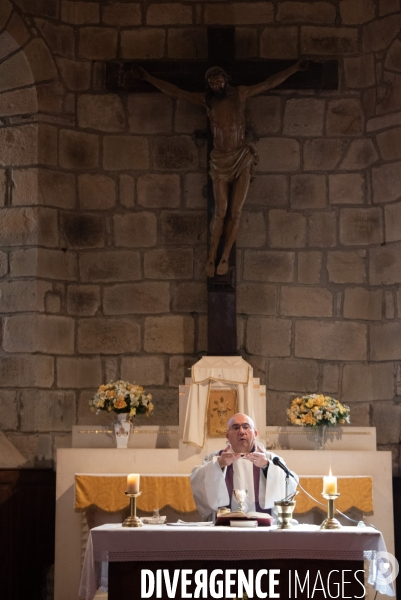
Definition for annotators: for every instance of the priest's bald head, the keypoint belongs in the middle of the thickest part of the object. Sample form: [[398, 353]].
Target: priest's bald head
[[241, 433]]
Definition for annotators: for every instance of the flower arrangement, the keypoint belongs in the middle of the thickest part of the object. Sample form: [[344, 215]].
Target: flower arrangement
[[315, 410], [122, 397]]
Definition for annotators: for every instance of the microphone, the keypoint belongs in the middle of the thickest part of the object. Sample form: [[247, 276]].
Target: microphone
[[276, 461]]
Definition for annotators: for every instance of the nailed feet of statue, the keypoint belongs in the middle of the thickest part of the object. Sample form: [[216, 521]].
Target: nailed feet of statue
[[222, 267]]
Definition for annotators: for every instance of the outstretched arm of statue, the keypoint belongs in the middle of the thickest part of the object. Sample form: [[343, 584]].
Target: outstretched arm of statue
[[168, 88], [273, 81]]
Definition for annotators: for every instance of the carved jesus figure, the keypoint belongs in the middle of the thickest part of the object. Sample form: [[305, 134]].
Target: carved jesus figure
[[232, 159]]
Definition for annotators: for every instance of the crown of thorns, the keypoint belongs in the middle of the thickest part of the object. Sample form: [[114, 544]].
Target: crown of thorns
[[213, 71]]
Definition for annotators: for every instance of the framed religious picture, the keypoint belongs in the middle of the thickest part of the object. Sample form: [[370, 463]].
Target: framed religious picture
[[222, 405]]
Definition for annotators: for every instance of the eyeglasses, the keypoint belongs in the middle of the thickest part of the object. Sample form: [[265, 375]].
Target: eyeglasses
[[245, 427]]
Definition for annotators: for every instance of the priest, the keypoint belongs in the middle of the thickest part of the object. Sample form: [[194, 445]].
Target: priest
[[243, 464]]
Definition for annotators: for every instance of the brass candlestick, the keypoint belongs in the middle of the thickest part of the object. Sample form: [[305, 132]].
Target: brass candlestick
[[132, 520], [330, 522]]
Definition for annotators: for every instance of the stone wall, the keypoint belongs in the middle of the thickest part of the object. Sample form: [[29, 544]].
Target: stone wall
[[103, 214]]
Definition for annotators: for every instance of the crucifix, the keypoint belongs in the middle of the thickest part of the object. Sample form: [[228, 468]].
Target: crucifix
[[230, 158]]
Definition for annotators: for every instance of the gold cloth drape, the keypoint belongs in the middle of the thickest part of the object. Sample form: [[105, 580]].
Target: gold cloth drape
[[107, 493]]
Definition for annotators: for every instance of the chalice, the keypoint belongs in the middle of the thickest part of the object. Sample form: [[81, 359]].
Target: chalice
[[240, 496]]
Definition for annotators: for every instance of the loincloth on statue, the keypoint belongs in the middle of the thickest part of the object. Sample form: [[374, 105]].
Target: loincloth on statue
[[229, 165]]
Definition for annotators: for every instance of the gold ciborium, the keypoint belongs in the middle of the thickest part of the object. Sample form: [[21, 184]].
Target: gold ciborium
[[132, 520]]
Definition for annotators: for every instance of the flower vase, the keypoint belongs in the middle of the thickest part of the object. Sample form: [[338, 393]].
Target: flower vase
[[122, 430], [320, 437]]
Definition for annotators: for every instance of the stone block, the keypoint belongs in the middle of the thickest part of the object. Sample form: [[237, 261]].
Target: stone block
[[286, 229], [98, 43], [170, 334], [264, 265], [5, 12], [256, 299], [136, 298], [7, 42], [15, 72], [47, 144], [378, 34], [175, 153], [80, 13], [330, 340], [26, 370], [135, 230], [293, 375], [346, 267], [386, 418], [127, 191], [144, 370], [323, 154], [36, 450], [347, 188], [390, 144], [59, 38], [329, 41], [344, 117], [360, 71], [263, 115], [39, 333], [188, 42], [23, 296], [308, 191], [77, 372], [108, 336], [52, 303], [78, 150], [304, 12], [8, 410], [56, 188], [43, 410], [189, 118], [363, 304], [252, 230], [83, 230], [169, 14], [96, 192], [83, 300], [240, 13], [386, 181], [18, 145], [388, 6], [388, 94], [200, 256], [246, 42], [399, 302], [41, 262], [303, 117], [385, 341], [269, 190], [159, 191], [169, 264], [179, 368], [276, 406], [330, 379], [190, 297], [103, 112], [24, 187], [48, 234], [366, 383], [393, 56], [384, 121], [361, 154], [52, 98], [3, 264], [279, 154], [392, 215], [110, 265], [125, 152], [40, 60], [268, 336], [389, 305], [356, 12], [322, 229], [195, 190], [186, 228], [279, 42], [149, 113], [142, 43], [309, 266], [301, 301], [361, 226], [122, 13], [18, 101], [19, 226]]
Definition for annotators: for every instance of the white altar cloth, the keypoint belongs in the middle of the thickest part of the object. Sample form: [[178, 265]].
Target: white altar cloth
[[114, 543]]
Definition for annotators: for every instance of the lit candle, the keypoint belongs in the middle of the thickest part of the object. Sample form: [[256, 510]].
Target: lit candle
[[133, 483], [330, 484]]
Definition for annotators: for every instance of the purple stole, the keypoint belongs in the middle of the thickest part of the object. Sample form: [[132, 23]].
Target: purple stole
[[256, 480]]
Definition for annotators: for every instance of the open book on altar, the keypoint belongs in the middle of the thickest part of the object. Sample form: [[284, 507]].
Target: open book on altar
[[225, 515]]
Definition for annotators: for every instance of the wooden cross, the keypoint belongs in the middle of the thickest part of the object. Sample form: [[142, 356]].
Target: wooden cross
[[189, 75]]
